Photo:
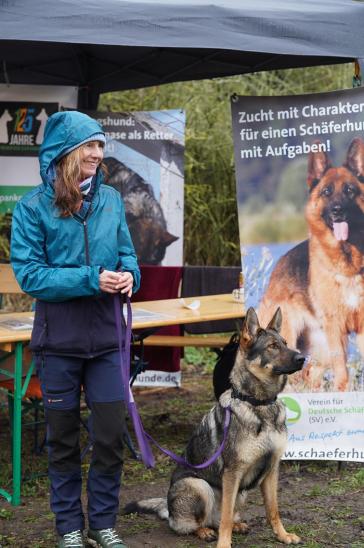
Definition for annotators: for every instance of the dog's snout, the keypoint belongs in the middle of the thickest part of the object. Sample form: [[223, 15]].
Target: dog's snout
[[299, 360], [337, 209]]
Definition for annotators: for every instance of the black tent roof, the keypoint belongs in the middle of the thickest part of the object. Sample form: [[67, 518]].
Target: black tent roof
[[105, 45]]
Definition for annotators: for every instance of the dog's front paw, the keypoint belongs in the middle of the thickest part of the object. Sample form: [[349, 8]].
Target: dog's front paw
[[341, 384], [289, 538], [241, 527], [206, 533], [222, 544]]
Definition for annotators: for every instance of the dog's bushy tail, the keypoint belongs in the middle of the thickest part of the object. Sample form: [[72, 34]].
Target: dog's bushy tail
[[148, 506]]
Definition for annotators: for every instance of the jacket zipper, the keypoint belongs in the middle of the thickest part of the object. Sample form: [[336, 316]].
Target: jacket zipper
[[85, 233], [87, 249], [88, 263]]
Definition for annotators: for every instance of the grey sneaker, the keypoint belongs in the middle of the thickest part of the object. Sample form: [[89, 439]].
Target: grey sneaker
[[71, 540], [105, 538]]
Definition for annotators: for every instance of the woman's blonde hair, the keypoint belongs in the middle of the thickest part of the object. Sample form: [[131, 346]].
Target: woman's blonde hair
[[68, 196]]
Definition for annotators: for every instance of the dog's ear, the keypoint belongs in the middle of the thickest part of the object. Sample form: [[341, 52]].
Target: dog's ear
[[249, 329], [276, 321], [318, 164], [168, 239], [355, 158]]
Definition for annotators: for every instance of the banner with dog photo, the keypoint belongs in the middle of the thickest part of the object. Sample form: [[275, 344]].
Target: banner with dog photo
[[300, 191], [144, 159]]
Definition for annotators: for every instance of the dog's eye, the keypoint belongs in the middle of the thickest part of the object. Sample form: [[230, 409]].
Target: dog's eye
[[274, 345], [350, 191], [326, 191]]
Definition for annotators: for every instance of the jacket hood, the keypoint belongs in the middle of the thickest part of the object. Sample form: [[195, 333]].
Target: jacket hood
[[64, 131]]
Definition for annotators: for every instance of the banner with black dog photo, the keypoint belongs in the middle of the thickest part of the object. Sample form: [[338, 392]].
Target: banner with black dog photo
[[144, 159], [300, 190]]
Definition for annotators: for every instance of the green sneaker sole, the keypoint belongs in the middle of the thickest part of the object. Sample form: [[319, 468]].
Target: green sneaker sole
[[94, 543]]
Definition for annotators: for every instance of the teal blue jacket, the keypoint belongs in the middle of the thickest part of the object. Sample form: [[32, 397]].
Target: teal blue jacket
[[55, 258]]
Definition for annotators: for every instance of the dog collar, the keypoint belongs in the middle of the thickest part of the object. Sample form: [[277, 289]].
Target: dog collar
[[253, 401]]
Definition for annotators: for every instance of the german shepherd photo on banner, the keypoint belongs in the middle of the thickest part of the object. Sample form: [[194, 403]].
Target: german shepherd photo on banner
[[208, 500], [319, 284]]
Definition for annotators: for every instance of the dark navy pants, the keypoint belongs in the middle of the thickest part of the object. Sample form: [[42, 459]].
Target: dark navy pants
[[100, 379]]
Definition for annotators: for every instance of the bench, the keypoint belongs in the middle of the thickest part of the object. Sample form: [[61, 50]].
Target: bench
[[180, 341]]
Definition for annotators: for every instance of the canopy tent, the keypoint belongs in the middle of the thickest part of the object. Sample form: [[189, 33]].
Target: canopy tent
[[110, 45]]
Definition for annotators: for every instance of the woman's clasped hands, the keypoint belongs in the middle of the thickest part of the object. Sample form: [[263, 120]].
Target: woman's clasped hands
[[115, 282]]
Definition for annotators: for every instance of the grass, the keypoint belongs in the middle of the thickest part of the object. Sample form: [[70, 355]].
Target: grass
[[136, 525], [5, 513]]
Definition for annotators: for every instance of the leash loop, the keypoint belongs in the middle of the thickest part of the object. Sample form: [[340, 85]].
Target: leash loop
[[124, 337], [183, 462]]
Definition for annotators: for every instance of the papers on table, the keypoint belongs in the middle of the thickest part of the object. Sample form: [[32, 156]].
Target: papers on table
[[24, 324], [17, 325], [194, 305], [141, 315]]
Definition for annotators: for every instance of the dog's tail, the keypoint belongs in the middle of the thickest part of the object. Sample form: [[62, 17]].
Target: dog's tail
[[148, 506]]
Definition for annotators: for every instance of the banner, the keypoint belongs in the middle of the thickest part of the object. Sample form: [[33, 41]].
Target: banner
[[144, 157], [24, 111], [300, 190]]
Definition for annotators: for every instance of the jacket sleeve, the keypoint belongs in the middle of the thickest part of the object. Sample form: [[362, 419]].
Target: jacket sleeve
[[29, 261], [127, 255]]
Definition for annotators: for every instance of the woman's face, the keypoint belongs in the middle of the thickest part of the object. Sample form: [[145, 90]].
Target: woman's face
[[91, 155]]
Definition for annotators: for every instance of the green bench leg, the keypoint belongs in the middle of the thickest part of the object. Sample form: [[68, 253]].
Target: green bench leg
[[17, 409]]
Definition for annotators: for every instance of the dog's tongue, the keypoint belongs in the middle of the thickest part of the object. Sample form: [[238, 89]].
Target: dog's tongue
[[341, 231]]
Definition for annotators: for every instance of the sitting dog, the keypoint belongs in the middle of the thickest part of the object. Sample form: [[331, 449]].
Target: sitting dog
[[202, 501]]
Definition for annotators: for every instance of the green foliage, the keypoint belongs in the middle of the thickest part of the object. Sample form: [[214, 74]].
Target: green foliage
[[291, 190], [5, 224], [211, 222], [272, 224], [5, 513], [204, 358]]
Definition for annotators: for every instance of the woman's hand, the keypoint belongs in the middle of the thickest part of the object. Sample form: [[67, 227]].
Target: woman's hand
[[115, 282], [126, 283]]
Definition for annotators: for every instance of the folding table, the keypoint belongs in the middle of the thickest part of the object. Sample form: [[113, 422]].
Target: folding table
[[146, 315]]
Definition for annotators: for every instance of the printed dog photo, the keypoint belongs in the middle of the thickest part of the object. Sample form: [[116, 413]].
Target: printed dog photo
[[144, 215], [208, 502], [319, 284]]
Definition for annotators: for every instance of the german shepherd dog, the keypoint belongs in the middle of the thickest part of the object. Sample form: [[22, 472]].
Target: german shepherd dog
[[202, 501], [319, 284], [144, 215]]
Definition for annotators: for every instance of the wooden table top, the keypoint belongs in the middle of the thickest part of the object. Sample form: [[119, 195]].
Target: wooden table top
[[147, 314], [172, 311]]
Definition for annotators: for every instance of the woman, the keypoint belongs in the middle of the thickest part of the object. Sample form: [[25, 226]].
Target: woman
[[71, 250]]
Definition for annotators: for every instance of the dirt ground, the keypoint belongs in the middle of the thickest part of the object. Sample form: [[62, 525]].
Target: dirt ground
[[318, 501]]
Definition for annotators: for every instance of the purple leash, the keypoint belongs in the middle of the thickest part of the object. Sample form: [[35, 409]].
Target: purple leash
[[143, 438], [215, 456], [124, 336]]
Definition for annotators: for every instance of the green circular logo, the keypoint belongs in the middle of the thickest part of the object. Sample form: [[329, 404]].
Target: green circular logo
[[293, 411]]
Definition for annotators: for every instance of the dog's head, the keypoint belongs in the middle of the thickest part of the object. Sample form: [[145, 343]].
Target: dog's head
[[144, 215], [266, 352], [337, 194], [150, 239]]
